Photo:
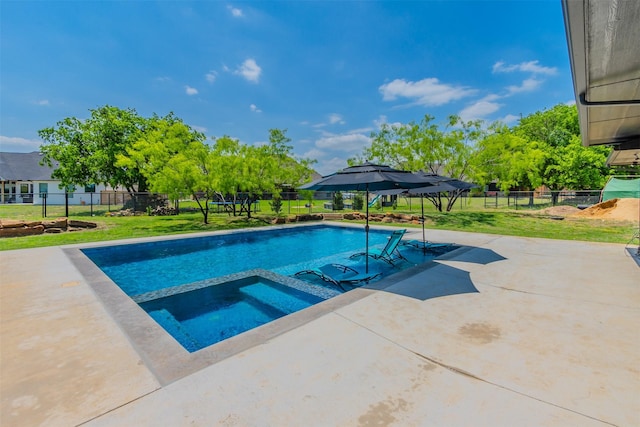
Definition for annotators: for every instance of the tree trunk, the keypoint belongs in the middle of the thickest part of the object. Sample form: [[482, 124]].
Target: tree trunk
[[204, 210]]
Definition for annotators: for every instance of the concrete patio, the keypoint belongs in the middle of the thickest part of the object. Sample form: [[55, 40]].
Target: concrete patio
[[503, 331]]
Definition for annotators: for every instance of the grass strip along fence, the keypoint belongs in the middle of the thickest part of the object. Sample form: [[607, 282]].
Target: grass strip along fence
[[469, 215]]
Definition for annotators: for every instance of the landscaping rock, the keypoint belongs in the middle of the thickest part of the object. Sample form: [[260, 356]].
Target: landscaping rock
[[82, 224], [18, 228], [337, 216], [22, 231], [11, 223], [56, 223]]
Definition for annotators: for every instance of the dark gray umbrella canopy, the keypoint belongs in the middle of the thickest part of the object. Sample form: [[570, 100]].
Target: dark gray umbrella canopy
[[441, 184], [368, 177]]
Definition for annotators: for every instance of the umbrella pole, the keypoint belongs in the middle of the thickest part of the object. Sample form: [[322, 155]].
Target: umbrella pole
[[366, 232], [424, 239]]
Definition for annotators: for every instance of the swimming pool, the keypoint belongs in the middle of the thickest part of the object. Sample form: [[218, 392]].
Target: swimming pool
[[203, 290], [146, 267]]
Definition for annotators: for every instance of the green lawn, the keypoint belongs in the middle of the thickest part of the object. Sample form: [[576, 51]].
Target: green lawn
[[470, 217]]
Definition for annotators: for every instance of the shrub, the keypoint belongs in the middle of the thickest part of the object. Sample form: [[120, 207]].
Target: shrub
[[338, 202]]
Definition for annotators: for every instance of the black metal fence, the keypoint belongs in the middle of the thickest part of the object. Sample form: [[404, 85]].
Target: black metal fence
[[540, 199], [123, 203]]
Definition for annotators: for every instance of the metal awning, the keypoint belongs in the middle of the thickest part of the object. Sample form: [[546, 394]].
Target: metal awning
[[604, 49]]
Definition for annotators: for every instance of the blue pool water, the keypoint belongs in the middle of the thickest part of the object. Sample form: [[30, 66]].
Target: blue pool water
[[199, 318], [145, 267], [203, 290]]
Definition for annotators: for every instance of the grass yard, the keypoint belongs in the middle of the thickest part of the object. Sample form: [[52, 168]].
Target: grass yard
[[469, 217]]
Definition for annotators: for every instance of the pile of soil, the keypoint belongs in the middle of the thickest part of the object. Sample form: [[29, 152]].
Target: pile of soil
[[560, 211], [618, 209]]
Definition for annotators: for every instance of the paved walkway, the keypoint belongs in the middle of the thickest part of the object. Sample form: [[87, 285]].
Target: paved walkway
[[505, 331]]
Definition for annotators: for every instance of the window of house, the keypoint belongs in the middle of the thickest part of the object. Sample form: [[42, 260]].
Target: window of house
[[91, 188], [43, 187]]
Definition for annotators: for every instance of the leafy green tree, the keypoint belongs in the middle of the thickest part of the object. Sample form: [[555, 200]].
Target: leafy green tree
[[567, 164], [174, 160], [358, 202], [243, 173], [509, 159], [86, 150], [338, 201], [307, 195], [543, 149], [424, 146]]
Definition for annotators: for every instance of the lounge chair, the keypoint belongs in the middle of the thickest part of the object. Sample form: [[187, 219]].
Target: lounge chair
[[339, 274], [419, 244], [390, 252]]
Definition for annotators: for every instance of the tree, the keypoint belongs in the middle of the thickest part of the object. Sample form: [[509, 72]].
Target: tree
[[86, 150], [567, 164], [543, 149], [175, 160], [423, 146], [508, 159]]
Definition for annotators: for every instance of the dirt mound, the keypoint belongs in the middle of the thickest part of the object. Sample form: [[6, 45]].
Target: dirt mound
[[560, 211], [620, 209]]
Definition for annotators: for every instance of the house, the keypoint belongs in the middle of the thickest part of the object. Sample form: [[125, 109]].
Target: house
[[24, 180]]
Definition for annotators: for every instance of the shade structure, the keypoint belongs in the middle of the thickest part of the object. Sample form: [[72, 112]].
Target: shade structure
[[368, 177], [438, 184], [442, 184]]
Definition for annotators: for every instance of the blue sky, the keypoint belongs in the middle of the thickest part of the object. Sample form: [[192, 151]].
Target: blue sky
[[330, 72]]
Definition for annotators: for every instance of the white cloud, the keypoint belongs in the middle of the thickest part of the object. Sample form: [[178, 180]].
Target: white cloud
[[332, 165], [526, 67], [163, 79], [255, 109], [350, 143], [190, 90], [336, 118], [14, 144], [479, 110], [235, 12], [428, 91], [211, 76], [509, 119], [43, 102], [362, 130], [201, 129], [314, 153], [527, 85], [250, 70]]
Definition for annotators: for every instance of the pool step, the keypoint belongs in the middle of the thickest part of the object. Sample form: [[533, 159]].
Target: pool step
[[175, 329], [274, 298]]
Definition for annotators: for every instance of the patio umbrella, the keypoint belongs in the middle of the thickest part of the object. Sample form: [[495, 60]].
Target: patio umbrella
[[438, 184], [442, 184], [368, 177]]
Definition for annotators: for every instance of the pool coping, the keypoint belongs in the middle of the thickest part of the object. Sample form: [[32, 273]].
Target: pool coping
[[168, 360]]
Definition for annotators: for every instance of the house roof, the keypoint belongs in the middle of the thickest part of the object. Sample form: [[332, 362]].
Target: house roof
[[605, 62], [24, 167]]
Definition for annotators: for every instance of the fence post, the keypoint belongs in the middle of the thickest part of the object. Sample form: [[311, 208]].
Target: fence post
[[91, 202], [44, 204]]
